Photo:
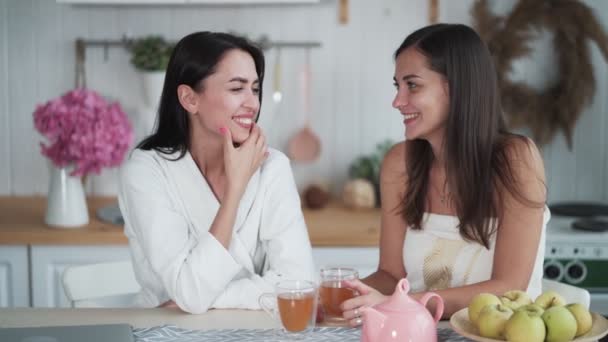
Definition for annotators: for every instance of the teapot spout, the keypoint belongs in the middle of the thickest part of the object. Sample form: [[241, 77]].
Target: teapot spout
[[373, 322]]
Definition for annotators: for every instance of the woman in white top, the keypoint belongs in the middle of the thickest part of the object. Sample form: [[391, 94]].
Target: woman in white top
[[463, 200], [212, 215]]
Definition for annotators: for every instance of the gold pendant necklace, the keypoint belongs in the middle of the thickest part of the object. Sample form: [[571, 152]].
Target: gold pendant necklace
[[444, 196]]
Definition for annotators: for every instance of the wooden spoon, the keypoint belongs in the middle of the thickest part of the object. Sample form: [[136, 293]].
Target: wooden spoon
[[305, 146]]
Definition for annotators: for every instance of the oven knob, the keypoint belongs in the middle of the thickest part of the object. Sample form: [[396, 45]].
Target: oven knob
[[576, 272], [553, 270], [597, 251]]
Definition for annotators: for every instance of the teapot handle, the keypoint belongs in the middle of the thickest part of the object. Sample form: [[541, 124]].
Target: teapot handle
[[439, 309]]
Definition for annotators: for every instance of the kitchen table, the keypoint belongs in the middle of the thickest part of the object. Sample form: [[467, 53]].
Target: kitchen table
[[149, 322]]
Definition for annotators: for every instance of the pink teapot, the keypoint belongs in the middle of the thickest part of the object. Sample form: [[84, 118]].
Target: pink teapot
[[401, 318]]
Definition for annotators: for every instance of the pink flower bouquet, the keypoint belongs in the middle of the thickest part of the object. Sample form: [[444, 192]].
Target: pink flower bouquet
[[83, 130]]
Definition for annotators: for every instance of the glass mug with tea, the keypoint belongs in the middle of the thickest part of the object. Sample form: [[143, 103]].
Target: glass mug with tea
[[295, 304], [333, 292]]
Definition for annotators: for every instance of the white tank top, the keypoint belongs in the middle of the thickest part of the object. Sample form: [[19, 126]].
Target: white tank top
[[437, 257]]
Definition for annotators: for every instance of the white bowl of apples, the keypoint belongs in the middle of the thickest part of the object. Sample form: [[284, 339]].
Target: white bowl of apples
[[515, 317]]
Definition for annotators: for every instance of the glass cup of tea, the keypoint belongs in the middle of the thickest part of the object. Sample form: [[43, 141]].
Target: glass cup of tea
[[333, 292], [294, 304]]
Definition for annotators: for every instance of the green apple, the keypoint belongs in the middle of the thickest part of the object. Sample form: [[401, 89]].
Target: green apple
[[515, 299], [492, 320], [560, 323], [584, 321], [479, 302], [533, 309], [549, 299], [526, 325]]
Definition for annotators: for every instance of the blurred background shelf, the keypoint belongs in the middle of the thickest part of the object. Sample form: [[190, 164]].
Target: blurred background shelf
[[22, 223]]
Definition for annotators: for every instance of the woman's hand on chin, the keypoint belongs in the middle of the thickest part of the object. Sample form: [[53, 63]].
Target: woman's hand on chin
[[241, 162]]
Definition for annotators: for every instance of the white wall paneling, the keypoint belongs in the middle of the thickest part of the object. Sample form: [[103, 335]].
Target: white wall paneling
[[104, 72], [351, 90], [5, 139], [27, 167]]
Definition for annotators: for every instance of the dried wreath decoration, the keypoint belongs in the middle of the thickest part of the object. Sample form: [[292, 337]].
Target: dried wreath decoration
[[559, 106]]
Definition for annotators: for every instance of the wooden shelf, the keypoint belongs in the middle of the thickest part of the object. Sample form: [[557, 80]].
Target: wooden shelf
[[22, 223], [340, 226]]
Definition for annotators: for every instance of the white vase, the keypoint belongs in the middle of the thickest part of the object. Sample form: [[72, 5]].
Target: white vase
[[152, 83], [66, 201]]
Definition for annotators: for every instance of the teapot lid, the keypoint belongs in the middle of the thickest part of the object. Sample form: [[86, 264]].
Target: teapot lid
[[400, 300]]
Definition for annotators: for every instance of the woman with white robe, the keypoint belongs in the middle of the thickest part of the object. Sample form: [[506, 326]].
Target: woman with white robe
[[212, 214]]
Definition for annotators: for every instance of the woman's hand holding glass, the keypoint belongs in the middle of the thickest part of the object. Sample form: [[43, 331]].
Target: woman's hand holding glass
[[354, 307], [241, 162]]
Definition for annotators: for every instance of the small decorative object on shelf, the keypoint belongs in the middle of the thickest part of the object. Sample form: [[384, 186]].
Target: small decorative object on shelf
[[150, 56], [368, 166], [84, 134], [316, 196], [359, 194]]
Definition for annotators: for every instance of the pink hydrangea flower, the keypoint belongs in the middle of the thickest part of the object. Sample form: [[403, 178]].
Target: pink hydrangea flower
[[83, 130]]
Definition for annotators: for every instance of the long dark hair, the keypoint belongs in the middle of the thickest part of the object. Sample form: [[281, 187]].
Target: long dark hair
[[193, 59], [477, 143]]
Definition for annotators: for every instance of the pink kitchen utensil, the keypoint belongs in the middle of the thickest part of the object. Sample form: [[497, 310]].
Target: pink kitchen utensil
[[305, 146]]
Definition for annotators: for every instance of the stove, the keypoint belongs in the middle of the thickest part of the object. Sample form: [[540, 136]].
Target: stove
[[579, 258]]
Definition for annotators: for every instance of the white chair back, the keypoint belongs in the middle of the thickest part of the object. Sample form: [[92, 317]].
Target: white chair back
[[111, 284], [571, 294]]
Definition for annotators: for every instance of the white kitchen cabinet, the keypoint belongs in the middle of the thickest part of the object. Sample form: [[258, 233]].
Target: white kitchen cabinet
[[14, 277], [363, 259], [48, 263]]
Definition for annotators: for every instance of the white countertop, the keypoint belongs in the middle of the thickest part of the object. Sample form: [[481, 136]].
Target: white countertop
[[140, 318]]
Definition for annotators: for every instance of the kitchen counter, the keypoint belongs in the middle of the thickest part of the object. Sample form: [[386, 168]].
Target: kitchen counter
[[22, 223]]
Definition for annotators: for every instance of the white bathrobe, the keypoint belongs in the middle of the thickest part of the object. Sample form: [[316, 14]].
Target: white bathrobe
[[168, 209]]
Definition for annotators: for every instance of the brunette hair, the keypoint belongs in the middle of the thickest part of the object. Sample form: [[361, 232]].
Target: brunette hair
[[478, 148], [193, 59]]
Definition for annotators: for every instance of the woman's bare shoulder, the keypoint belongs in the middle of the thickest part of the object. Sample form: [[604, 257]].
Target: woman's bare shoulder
[[525, 155], [527, 169], [394, 159]]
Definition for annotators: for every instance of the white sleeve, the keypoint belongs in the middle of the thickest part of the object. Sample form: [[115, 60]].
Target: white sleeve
[[284, 237], [194, 270]]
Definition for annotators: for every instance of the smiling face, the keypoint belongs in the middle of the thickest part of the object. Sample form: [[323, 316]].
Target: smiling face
[[422, 96], [229, 97]]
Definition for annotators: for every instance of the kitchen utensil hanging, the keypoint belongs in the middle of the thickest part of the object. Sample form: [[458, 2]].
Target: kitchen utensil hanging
[[277, 94], [80, 80], [305, 146]]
